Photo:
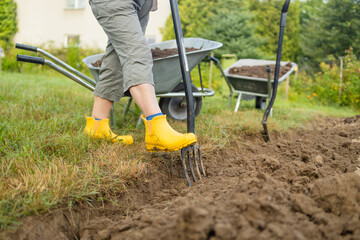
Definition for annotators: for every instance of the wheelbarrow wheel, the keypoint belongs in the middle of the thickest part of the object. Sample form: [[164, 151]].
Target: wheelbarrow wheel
[[260, 103], [175, 107]]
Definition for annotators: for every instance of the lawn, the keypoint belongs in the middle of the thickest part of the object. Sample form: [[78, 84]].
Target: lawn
[[46, 161]]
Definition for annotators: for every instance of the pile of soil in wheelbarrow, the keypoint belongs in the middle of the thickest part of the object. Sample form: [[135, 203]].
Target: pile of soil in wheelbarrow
[[304, 184], [161, 53], [156, 53], [259, 71]]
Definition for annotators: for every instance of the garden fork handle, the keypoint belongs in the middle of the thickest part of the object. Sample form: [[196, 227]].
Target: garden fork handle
[[184, 66], [277, 68]]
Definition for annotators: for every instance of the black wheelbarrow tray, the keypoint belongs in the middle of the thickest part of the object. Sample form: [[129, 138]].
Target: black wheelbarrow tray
[[167, 73], [258, 87]]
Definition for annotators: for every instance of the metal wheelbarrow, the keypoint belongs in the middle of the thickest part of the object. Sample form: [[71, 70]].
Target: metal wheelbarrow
[[167, 74], [258, 87], [251, 87], [168, 84], [168, 78]]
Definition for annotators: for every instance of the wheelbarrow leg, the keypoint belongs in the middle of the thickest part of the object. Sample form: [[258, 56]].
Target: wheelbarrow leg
[[112, 116], [127, 107], [238, 103], [138, 124]]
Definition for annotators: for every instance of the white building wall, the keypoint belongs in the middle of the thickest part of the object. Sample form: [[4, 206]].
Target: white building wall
[[157, 20], [48, 21]]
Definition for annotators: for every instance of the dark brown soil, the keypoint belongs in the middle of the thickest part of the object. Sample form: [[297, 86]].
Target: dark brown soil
[[259, 71], [97, 63], [156, 53], [304, 184]]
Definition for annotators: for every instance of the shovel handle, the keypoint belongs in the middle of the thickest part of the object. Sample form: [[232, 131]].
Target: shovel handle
[[26, 47], [30, 59]]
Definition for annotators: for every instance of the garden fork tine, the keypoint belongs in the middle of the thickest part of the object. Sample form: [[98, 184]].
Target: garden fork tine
[[197, 148], [196, 162], [184, 153], [191, 156]]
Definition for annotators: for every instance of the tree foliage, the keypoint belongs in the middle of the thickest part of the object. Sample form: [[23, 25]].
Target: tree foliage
[[236, 31], [267, 17], [226, 21], [247, 28], [8, 23], [331, 29], [194, 16]]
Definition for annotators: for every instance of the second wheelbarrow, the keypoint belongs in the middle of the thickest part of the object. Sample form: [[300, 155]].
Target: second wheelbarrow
[[248, 87], [255, 86]]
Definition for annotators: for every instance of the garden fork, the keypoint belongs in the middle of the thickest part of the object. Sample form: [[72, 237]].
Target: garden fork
[[191, 155], [277, 69]]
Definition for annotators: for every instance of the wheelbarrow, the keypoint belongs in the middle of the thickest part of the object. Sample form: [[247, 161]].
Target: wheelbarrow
[[167, 76], [258, 87], [251, 87]]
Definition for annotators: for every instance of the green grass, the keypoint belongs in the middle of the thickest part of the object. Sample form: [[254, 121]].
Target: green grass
[[46, 161]]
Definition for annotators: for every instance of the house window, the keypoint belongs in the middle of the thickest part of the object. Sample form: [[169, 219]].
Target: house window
[[72, 40], [75, 4]]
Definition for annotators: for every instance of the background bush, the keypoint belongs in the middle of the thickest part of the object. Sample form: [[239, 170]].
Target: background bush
[[8, 23], [324, 86]]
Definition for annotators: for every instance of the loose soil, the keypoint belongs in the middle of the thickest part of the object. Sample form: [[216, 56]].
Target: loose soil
[[162, 53], [259, 71], [304, 184], [156, 53]]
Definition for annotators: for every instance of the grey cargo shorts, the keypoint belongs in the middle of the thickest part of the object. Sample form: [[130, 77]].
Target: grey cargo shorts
[[128, 60]]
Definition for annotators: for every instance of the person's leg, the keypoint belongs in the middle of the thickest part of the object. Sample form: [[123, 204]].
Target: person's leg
[[108, 90], [111, 78], [144, 96], [120, 21], [101, 108]]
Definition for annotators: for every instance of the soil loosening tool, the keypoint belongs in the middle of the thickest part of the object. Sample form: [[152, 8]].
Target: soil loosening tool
[[277, 69], [190, 155]]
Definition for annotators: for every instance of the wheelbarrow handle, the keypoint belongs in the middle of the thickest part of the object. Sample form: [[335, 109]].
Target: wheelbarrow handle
[[56, 60], [43, 61], [211, 58], [26, 47], [30, 59]]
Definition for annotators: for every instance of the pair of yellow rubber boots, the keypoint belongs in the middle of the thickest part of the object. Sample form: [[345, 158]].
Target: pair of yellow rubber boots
[[159, 135]]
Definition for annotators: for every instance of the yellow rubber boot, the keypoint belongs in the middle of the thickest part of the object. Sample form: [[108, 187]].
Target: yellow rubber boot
[[101, 129], [160, 136]]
